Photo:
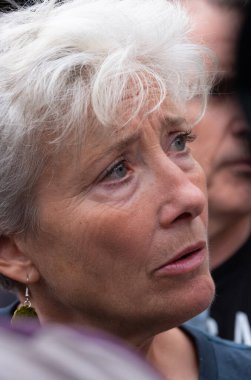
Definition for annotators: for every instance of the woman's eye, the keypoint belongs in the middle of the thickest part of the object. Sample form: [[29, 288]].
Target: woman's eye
[[117, 171], [181, 140]]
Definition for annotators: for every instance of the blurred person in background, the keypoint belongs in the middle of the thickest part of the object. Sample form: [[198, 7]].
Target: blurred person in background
[[103, 209], [58, 352], [222, 149]]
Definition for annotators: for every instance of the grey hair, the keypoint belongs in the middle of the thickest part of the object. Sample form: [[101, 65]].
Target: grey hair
[[63, 65]]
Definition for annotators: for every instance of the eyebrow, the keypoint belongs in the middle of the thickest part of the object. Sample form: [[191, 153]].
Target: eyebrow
[[167, 122], [173, 121], [124, 142], [116, 147]]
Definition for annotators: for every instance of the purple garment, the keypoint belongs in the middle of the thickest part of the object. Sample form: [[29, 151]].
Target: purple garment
[[57, 352]]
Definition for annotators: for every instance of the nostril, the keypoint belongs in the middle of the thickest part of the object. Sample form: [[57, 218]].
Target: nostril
[[183, 216]]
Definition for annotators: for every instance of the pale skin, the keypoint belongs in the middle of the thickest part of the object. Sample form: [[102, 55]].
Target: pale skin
[[109, 221], [182, 360], [221, 145]]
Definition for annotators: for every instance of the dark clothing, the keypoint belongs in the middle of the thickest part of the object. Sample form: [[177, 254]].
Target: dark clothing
[[6, 297], [231, 310], [8, 311], [220, 359]]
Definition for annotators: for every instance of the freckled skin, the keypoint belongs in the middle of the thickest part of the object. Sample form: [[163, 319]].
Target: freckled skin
[[98, 250]]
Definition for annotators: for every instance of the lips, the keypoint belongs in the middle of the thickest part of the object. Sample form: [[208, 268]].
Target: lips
[[237, 160], [242, 162], [187, 260], [241, 166]]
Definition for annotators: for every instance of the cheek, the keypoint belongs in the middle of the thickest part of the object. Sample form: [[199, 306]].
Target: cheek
[[91, 236], [119, 233]]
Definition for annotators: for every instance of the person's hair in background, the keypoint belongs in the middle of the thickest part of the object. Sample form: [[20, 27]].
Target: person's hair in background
[[222, 149]]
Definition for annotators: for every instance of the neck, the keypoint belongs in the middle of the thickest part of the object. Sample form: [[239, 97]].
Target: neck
[[165, 353], [226, 237]]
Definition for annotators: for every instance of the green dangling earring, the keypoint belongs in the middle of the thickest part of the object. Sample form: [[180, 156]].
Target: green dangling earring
[[24, 310]]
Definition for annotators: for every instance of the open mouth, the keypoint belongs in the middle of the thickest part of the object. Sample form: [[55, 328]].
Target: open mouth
[[188, 255]]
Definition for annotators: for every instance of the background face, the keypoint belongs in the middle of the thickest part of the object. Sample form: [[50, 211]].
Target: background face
[[111, 224], [221, 146]]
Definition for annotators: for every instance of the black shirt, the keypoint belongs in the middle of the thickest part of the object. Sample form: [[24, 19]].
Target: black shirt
[[231, 309]]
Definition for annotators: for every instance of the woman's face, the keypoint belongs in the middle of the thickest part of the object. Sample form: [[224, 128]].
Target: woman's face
[[123, 240]]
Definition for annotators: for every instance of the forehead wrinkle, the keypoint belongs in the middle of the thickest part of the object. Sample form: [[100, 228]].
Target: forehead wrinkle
[[127, 137], [168, 122], [116, 147], [98, 154]]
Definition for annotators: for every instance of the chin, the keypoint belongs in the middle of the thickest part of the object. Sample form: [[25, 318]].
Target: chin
[[198, 297], [191, 299]]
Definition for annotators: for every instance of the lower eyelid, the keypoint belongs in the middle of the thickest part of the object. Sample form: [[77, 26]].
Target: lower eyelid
[[117, 184], [110, 172]]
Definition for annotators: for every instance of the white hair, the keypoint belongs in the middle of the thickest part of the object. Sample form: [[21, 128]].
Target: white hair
[[63, 65]]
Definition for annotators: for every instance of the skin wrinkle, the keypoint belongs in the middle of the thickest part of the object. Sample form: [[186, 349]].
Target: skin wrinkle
[[127, 205], [111, 216], [99, 157]]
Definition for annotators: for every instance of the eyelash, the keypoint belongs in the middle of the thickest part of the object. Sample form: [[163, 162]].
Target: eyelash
[[115, 165], [187, 135]]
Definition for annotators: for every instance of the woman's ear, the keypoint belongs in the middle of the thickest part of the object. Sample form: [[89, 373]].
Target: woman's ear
[[14, 263]]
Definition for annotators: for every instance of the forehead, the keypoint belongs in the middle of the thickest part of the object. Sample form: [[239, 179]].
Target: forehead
[[112, 137], [128, 122], [99, 140], [218, 28], [77, 166]]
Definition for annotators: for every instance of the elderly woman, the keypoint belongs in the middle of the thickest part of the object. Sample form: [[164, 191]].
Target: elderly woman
[[103, 215]]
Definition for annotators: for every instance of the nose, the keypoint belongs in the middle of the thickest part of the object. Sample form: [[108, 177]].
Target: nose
[[183, 195]]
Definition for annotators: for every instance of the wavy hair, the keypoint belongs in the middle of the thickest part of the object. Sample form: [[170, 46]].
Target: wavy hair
[[67, 67]]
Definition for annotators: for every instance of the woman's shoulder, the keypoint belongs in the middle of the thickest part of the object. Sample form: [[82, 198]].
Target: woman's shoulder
[[221, 358]]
